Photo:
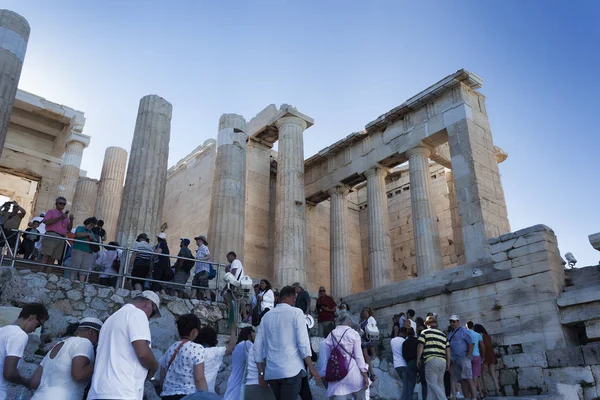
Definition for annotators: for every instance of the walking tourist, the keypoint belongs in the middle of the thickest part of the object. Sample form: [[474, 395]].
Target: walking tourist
[[489, 359], [109, 261], [435, 352], [239, 362], [183, 267], [400, 364], [11, 214], [13, 339], [409, 353], [68, 367], [254, 391], [42, 229], [283, 342], [409, 322], [344, 344], [30, 239], [125, 359], [326, 312], [182, 365], [99, 231], [367, 344], [82, 256], [213, 354], [478, 352], [461, 345], [162, 266], [202, 268], [395, 326], [141, 259], [58, 223], [236, 269], [302, 298], [266, 298]]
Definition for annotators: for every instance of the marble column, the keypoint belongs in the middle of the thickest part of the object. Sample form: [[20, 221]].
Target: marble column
[[84, 200], [14, 34], [425, 226], [290, 206], [380, 246], [228, 203], [341, 284], [110, 189], [144, 190], [71, 163]]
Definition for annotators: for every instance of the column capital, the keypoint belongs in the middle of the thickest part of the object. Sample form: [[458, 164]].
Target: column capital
[[377, 170], [420, 149], [78, 137], [339, 189], [291, 119]]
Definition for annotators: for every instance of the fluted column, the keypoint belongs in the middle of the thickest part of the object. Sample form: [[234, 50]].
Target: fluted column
[[71, 163], [290, 220], [425, 226], [84, 200], [144, 190], [110, 189], [14, 34], [341, 284], [380, 246], [228, 205]]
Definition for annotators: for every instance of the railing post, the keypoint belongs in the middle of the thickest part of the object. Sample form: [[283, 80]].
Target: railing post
[[14, 255], [123, 270]]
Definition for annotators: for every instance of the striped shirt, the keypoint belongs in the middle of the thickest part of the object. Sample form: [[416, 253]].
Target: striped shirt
[[434, 344], [142, 246]]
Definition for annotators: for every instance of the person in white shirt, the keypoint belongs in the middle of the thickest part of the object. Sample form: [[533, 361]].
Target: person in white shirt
[[213, 354], [253, 390], [13, 339], [124, 358], [106, 263], [283, 342], [266, 297], [237, 270], [68, 367], [182, 365], [399, 361], [409, 322], [239, 360]]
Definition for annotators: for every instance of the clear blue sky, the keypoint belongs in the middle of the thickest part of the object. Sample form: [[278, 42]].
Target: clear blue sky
[[343, 63]]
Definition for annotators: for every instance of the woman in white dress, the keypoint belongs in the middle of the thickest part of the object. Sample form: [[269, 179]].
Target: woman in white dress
[[68, 367], [239, 358], [266, 297]]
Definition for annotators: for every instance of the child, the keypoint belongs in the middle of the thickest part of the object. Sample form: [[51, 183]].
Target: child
[[109, 261]]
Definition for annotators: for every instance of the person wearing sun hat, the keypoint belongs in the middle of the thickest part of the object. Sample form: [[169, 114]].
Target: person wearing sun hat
[[182, 267], [125, 358], [68, 367]]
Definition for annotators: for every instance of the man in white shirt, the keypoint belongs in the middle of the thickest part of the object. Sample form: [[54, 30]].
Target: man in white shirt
[[399, 361], [124, 359], [410, 321], [283, 339], [13, 339]]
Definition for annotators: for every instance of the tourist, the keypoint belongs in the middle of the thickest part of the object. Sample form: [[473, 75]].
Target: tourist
[[183, 267], [302, 298], [99, 231], [213, 354], [409, 322], [253, 390], [68, 367], [395, 326], [162, 267], [58, 223], [434, 350], [125, 359], [266, 298], [239, 360], [82, 256], [461, 345], [141, 259], [109, 261], [13, 339], [202, 268], [478, 351], [367, 344], [283, 342], [400, 364], [326, 312], [489, 359], [182, 365], [255, 304], [276, 296], [236, 269], [344, 337], [420, 325], [409, 353], [344, 306], [401, 319], [11, 214], [246, 314], [30, 239]]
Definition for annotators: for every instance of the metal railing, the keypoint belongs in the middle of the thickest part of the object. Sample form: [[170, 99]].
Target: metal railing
[[125, 269]]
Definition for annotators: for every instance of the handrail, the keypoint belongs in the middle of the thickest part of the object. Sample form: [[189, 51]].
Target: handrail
[[122, 275]]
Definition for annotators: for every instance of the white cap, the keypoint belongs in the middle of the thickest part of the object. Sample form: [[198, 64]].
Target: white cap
[[454, 317], [153, 297], [89, 322], [162, 236]]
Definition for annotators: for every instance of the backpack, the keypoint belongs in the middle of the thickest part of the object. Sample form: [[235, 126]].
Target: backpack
[[337, 369], [212, 273]]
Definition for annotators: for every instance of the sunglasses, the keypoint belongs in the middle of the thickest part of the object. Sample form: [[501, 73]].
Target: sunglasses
[[321, 291], [61, 204]]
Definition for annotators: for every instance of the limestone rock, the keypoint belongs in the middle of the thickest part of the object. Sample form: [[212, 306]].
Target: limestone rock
[[99, 304], [385, 386], [117, 299], [74, 295], [56, 325], [87, 299], [178, 307], [36, 280], [64, 284], [524, 360], [79, 306], [163, 331], [208, 312], [6, 274], [565, 357], [52, 278], [58, 295], [123, 292], [90, 290], [91, 313], [530, 378], [18, 292]]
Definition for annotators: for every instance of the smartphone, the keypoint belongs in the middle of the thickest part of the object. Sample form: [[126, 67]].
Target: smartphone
[[66, 212]]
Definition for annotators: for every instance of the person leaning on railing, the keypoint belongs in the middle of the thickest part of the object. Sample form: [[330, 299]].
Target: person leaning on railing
[[141, 260], [10, 219]]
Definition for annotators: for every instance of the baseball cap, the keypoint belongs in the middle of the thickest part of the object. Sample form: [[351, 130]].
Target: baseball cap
[[454, 317], [185, 241], [162, 236], [295, 284], [93, 323], [153, 297]]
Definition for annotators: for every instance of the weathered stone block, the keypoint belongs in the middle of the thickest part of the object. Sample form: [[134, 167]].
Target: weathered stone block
[[531, 378], [591, 353], [525, 360], [499, 257], [568, 375], [508, 377], [567, 357], [502, 246]]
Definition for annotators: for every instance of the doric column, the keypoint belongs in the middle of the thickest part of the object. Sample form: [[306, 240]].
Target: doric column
[[110, 189], [14, 34], [290, 220], [84, 200], [425, 227], [380, 246], [144, 191], [228, 205], [71, 162], [341, 285]]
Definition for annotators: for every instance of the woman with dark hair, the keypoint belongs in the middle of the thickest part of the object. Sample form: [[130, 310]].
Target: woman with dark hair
[[82, 254], [266, 298], [344, 306], [239, 362], [213, 354], [162, 267], [489, 359]]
